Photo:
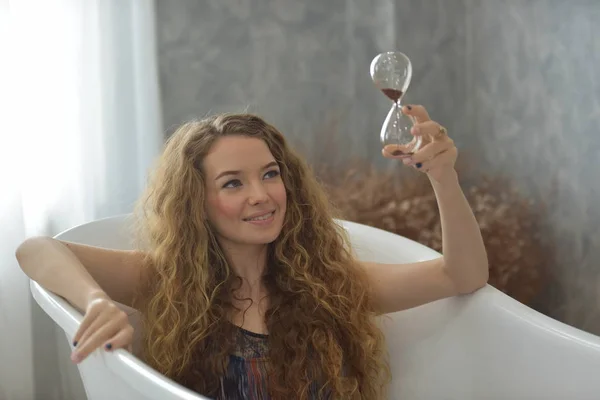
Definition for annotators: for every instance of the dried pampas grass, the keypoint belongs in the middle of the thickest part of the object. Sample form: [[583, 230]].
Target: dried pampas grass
[[404, 203]]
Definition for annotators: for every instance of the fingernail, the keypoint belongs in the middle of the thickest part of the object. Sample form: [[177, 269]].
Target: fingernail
[[74, 343], [397, 153], [409, 107], [108, 346], [418, 165], [407, 160], [75, 357], [415, 130]]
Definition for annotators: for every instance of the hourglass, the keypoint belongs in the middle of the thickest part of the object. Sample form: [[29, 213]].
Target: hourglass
[[391, 72]]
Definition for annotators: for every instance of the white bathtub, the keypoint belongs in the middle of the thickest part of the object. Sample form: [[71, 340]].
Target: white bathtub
[[481, 346]]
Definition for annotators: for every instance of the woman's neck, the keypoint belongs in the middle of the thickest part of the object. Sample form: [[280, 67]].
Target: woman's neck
[[249, 263]]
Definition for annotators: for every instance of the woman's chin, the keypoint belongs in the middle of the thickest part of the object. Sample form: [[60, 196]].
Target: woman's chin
[[255, 238], [266, 239]]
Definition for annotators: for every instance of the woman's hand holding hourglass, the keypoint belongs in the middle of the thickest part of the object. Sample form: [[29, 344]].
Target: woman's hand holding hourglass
[[407, 132], [436, 154]]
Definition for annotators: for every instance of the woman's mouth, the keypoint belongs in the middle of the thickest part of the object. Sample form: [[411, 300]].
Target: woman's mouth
[[262, 217]]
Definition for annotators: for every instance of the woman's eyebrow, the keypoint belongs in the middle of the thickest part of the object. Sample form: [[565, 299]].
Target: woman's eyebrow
[[224, 173]]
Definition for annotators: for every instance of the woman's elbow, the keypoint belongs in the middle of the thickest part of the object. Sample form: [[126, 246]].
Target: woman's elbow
[[27, 249], [477, 278], [482, 281]]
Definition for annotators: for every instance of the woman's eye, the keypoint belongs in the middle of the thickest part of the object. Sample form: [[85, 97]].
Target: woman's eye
[[232, 184], [272, 174]]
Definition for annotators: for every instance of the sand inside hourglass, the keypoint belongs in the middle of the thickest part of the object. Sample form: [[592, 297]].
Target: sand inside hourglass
[[392, 94]]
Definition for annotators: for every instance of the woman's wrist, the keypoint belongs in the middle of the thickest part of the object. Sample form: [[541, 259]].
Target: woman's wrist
[[448, 177], [94, 294]]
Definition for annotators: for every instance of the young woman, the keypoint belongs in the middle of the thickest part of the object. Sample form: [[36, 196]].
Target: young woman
[[246, 286]]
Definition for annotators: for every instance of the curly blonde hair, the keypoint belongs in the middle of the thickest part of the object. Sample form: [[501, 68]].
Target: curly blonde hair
[[321, 319]]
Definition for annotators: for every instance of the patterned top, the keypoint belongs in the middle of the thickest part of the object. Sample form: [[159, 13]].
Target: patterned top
[[246, 376]]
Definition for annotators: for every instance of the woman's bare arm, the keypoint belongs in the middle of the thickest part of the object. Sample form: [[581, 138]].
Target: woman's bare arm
[[79, 273]]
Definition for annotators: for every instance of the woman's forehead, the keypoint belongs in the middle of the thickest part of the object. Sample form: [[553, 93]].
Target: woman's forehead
[[237, 153]]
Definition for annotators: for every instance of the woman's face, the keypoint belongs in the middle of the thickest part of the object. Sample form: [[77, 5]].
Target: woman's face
[[245, 195]]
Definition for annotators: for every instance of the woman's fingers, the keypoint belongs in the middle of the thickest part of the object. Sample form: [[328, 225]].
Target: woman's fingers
[[95, 340], [99, 312], [397, 150], [418, 112], [105, 318], [122, 340], [105, 325], [430, 131], [430, 151], [98, 322], [93, 310], [434, 139], [446, 157]]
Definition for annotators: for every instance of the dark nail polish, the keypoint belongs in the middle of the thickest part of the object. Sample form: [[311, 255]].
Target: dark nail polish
[[397, 153], [418, 165], [108, 346], [409, 107], [75, 343]]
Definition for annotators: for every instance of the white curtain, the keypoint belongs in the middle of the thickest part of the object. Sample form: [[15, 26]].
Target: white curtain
[[80, 123]]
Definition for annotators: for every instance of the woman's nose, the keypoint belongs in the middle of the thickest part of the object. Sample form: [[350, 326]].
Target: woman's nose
[[258, 194]]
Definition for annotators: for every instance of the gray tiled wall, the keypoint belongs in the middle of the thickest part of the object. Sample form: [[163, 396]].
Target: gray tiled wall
[[516, 82]]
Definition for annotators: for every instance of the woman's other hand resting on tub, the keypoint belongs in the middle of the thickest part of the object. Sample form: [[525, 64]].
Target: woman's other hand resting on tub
[[104, 325], [245, 283]]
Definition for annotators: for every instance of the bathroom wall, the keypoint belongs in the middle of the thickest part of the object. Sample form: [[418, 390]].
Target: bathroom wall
[[303, 65], [516, 83], [534, 115]]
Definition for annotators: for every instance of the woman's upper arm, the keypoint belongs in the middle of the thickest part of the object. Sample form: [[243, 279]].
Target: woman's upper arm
[[118, 272], [398, 287]]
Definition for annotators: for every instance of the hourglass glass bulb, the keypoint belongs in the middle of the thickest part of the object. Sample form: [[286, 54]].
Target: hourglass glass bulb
[[391, 72]]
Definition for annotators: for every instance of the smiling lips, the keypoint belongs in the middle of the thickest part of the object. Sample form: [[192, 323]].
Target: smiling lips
[[261, 218]]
